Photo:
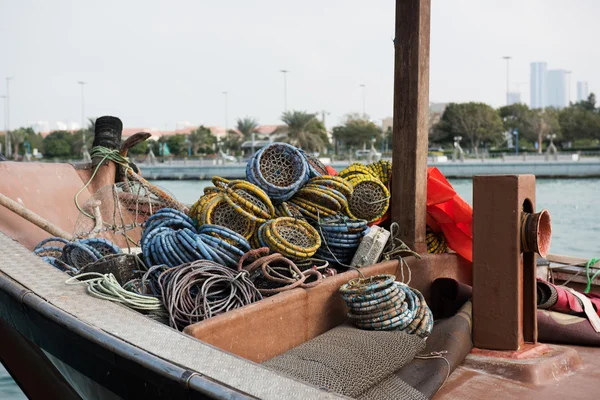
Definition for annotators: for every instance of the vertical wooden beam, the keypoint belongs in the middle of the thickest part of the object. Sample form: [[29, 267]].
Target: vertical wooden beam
[[411, 109]]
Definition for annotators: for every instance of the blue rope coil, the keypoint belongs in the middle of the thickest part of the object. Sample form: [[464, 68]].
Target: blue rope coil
[[170, 238], [279, 169]]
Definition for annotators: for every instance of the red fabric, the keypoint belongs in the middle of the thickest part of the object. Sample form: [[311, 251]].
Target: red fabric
[[566, 301], [449, 213], [331, 171]]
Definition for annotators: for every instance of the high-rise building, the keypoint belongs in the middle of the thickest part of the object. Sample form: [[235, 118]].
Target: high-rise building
[[582, 91], [538, 84], [556, 88], [514, 98]]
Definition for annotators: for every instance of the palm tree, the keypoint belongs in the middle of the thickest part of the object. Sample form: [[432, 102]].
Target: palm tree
[[303, 130], [201, 137], [17, 136], [247, 126]]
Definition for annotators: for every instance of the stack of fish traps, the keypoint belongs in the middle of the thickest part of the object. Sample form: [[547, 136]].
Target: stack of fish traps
[[381, 303], [371, 196], [341, 236]]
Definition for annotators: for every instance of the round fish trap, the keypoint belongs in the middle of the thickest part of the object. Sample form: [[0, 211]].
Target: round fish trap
[[336, 183], [286, 209], [436, 242], [340, 237], [289, 236], [279, 169], [355, 169], [81, 253], [124, 267], [219, 211], [250, 201], [315, 202], [381, 303], [315, 167], [382, 169], [370, 198], [116, 212], [51, 247]]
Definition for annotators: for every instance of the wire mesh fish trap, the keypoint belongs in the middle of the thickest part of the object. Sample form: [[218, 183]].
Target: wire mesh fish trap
[[291, 237], [340, 237], [381, 169], [436, 242], [370, 199], [218, 211], [381, 303], [116, 212], [315, 166], [279, 169], [123, 266]]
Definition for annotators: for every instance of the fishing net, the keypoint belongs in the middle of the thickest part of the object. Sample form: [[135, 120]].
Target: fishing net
[[279, 169], [116, 212], [351, 361], [370, 198]]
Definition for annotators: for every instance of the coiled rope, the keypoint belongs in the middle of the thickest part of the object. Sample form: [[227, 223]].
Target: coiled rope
[[106, 286], [203, 289], [590, 278], [274, 273], [291, 237], [381, 303], [170, 238]]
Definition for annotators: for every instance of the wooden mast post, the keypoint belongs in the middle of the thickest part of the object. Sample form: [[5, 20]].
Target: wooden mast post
[[410, 130]]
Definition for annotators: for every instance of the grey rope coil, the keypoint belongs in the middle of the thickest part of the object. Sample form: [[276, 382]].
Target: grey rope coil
[[203, 289]]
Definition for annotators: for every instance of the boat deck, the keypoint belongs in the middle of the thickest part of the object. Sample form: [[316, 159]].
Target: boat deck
[[138, 335]]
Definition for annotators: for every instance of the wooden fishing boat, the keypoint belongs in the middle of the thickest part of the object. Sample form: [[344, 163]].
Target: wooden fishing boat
[[59, 342]]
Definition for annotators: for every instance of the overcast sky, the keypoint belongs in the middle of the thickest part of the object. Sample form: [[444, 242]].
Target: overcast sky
[[155, 63]]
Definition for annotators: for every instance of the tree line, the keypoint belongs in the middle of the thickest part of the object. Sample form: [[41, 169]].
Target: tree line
[[577, 125], [478, 124]]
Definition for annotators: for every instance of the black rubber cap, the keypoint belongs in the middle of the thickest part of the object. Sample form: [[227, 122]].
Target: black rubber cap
[[108, 132]]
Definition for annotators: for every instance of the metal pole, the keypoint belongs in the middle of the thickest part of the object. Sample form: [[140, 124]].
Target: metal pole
[[507, 58], [7, 133], [284, 71], [226, 117], [5, 125], [364, 99], [83, 115]]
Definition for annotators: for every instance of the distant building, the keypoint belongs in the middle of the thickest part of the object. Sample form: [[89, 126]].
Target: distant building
[[582, 91], [538, 84], [437, 107], [514, 98], [556, 88]]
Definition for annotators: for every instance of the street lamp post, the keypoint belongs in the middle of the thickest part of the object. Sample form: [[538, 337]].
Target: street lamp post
[[507, 58], [285, 72], [82, 84], [5, 125], [226, 112], [516, 133], [364, 99], [7, 130]]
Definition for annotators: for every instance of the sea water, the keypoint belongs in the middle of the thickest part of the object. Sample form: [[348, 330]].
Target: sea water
[[574, 206]]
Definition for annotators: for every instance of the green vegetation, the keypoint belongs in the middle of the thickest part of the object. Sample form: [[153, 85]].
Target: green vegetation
[[573, 128]]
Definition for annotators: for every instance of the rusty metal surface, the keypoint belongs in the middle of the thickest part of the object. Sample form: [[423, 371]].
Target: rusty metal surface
[[144, 333], [47, 189], [504, 303]]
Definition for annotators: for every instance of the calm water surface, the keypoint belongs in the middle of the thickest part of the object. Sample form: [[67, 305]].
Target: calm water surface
[[574, 205]]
